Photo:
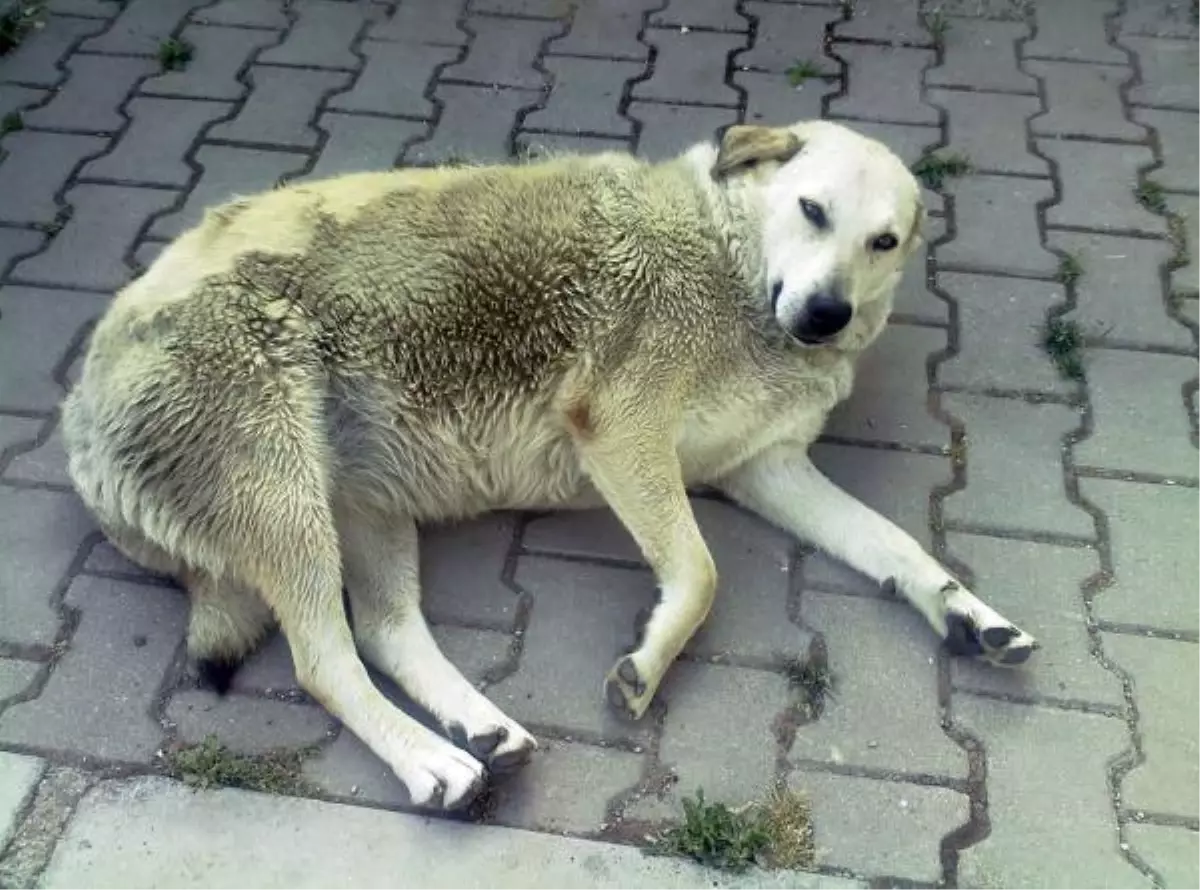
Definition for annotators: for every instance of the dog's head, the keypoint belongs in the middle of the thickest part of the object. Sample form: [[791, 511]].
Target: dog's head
[[840, 216]]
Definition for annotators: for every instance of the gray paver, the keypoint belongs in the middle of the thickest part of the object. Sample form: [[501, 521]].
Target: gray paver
[[90, 250], [1001, 321], [789, 34], [140, 27], [16, 678], [21, 776], [35, 168], [101, 9], [1014, 467], [915, 300], [1169, 71], [18, 243], [247, 725], [321, 34], [349, 769], [394, 79], [770, 99], [983, 57], [39, 324], [690, 67], [716, 14], [280, 106], [1098, 182], [249, 13], [887, 21], [218, 55], [1083, 100], [306, 843], [889, 828], [89, 101], [1160, 18], [362, 143], [1164, 675], [503, 51], [997, 226], [585, 97], [882, 84], [97, 700], [544, 9], [539, 143], [606, 28], [668, 130], [47, 463], [1133, 392], [421, 21], [18, 433], [470, 592], [1152, 528], [1074, 29], [18, 98], [1170, 851], [1186, 278], [989, 128], [476, 123], [1177, 135], [35, 62], [1060, 793]]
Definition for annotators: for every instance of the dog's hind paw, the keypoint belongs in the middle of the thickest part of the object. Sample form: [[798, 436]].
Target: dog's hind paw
[[1000, 644], [626, 690], [502, 748]]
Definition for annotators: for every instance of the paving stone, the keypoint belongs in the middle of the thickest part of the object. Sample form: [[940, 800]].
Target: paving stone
[[1132, 392], [538, 144], [90, 250], [1074, 29], [360, 143], [281, 106], [1039, 587], [1152, 528], [321, 35], [1119, 295], [989, 128], [350, 769], [1164, 675], [247, 725], [455, 590], [1014, 467], [884, 711], [585, 533], [585, 97], [46, 463], [21, 776], [98, 698], [226, 172], [997, 226], [1184, 278], [719, 15], [18, 98], [15, 679], [421, 21], [690, 67], [35, 62], [566, 787], [982, 56], [874, 827], [668, 130], [104, 557], [909, 142], [770, 99], [95, 88], [1177, 134], [35, 168], [789, 34], [888, 21], [15, 244], [719, 735], [1060, 793], [247, 13], [18, 433], [269, 670], [544, 9], [883, 83], [1189, 308], [891, 391], [1170, 851], [141, 27], [1083, 100], [582, 620], [503, 52], [100, 9], [394, 80], [1169, 72], [607, 28], [1001, 321], [154, 148], [476, 123], [1159, 18], [1098, 182], [146, 254], [220, 54], [39, 324]]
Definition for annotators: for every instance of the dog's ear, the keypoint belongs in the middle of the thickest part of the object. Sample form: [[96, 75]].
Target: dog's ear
[[744, 147]]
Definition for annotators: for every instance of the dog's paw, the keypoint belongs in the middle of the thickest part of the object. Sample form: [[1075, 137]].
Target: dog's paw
[[441, 777], [503, 747], [1000, 644], [626, 689]]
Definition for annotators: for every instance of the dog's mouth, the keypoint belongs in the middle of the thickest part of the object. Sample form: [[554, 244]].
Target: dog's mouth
[[776, 293]]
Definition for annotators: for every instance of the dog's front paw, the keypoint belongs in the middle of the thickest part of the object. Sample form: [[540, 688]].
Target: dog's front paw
[[999, 643], [627, 690], [503, 747], [441, 777]]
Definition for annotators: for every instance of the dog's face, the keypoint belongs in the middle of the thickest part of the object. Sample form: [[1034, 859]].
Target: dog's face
[[841, 215]]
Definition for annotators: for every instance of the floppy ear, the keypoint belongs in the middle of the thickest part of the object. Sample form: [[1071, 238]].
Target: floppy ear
[[916, 235], [744, 147]]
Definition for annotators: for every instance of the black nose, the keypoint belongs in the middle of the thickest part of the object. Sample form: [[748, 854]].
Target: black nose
[[823, 316]]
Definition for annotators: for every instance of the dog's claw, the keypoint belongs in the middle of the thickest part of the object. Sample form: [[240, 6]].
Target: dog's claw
[[626, 690], [1002, 645]]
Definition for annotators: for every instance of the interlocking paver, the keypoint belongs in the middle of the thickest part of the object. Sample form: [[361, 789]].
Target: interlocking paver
[[421, 21], [871, 826], [1000, 332], [789, 34], [18, 433], [18, 98], [716, 14], [394, 79], [476, 122], [1177, 135], [360, 143], [1112, 269], [606, 28], [21, 776], [248, 725], [219, 54], [882, 84], [1152, 528], [538, 143], [154, 148], [1184, 279], [1083, 100], [585, 97], [90, 250], [18, 243], [97, 701], [39, 324], [546, 9], [669, 129], [101, 9], [248, 13], [280, 106], [468, 592], [1169, 71], [1061, 793], [16, 677], [1074, 29], [35, 167], [997, 229], [983, 57], [1014, 467], [1160, 18], [47, 463], [989, 128], [140, 27], [886, 21], [690, 67], [321, 34], [95, 87], [502, 52], [771, 99], [1098, 181], [1164, 675], [35, 62], [1171, 851]]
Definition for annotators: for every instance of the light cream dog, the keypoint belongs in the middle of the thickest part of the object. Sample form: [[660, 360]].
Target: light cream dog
[[268, 412]]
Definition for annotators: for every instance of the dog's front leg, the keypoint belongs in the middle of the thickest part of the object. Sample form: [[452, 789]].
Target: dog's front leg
[[783, 486]]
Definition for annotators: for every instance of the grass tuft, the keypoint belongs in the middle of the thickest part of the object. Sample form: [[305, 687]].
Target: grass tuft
[[1070, 269], [802, 70], [934, 169], [11, 123], [174, 54], [1150, 194], [937, 23], [814, 680], [716, 836], [210, 764], [1063, 341]]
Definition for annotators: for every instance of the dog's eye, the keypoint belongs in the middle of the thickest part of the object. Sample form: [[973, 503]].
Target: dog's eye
[[884, 243], [813, 213]]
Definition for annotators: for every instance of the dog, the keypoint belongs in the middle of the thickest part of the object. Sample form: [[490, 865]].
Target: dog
[[268, 412]]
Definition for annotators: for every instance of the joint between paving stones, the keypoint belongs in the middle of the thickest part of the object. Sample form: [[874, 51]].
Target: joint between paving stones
[[539, 65]]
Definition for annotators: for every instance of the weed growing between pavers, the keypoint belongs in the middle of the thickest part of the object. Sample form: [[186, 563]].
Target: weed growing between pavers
[[210, 764], [1063, 340], [174, 54], [17, 23], [1177, 235], [802, 70], [934, 169], [937, 24], [1070, 269], [814, 681], [1151, 196], [11, 123]]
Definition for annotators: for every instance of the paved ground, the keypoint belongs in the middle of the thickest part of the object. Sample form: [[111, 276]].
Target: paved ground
[[1072, 506]]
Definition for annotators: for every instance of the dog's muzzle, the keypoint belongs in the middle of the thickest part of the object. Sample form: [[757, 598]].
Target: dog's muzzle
[[824, 315]]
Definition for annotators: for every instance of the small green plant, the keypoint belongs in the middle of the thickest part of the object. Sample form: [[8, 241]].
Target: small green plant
[[813, 679], [11, 123], [210, 764], [934, 169], [937, 23], [802, 70], [715, 835], [1150, 195], [787, 818], [1070, 269], [174, 54], [1063, 341], [17, 22]]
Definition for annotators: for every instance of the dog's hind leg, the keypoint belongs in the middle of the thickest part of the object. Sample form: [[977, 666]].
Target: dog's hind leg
[[380, 561], [783, 486], [227, 622]]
